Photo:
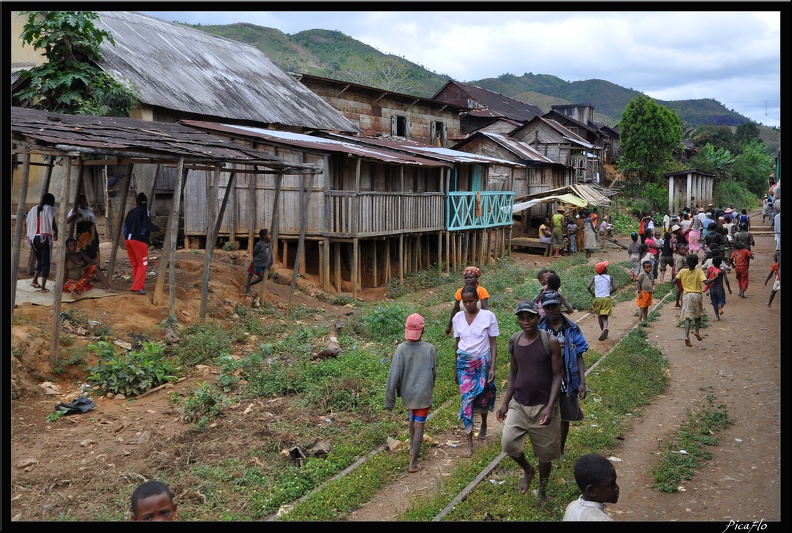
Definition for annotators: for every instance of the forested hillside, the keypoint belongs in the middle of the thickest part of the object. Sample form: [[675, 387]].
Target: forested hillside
[[333, 54]]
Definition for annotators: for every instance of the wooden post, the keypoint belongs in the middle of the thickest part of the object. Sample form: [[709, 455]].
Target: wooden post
[[374, 260], [80, 180], [274, 226], [252, 212], [214, 233], [20, 222], [338, 276], [232, 218], [173, 230], [167, 250], [401, 258], [119, 223], [59, 262], [305, 199], [387, 261], [211, 201], [355, 266]]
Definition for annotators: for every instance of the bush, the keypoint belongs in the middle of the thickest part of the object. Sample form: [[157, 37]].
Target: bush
[[202, 343], [132, 373], [203, 403]]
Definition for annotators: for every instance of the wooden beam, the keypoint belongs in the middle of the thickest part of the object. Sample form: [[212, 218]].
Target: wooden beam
[[214, 233], [60, 277], [20, 222], [173, 230], [121, 213]]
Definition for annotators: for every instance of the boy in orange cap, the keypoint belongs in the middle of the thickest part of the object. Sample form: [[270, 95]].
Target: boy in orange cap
[[602, 305]]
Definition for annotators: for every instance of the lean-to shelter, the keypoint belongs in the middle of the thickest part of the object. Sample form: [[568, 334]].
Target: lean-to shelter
[[83, 141]]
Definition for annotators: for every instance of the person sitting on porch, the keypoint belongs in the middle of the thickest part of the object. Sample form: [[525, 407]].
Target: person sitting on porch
[[545, 234], [80, 271]]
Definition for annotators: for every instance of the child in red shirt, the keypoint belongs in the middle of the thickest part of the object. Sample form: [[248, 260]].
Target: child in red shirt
[[741, 259]]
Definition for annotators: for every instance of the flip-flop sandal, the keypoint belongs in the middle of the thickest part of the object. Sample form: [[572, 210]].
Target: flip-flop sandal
[[44, 290], [35, 285]]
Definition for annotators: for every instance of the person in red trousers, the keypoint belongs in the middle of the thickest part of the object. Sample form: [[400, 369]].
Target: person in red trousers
[[137, 231]]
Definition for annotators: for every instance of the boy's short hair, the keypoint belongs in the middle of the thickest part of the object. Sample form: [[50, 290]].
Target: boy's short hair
[[646, 263], [717, 260], [591, 469], [147, 489], [553, 281]]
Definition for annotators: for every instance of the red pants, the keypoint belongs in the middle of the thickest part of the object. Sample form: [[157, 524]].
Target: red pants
[[742, 277], [138, 258]]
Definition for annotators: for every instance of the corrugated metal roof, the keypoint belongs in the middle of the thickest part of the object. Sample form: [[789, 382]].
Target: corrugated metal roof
[[592, 194], [120, 136], [520, 149], [316, 143], [501, 104], [413, 147], [180, 68]]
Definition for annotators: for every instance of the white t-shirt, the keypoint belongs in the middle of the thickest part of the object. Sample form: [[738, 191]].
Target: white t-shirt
[[474, 337], [582, 510]]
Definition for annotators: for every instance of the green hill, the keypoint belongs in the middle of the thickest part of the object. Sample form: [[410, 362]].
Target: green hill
[[332, 54]]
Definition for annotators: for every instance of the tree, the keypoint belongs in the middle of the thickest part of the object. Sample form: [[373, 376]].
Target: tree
[[649, 134], [71, 81], [746, 133], [386, 73]]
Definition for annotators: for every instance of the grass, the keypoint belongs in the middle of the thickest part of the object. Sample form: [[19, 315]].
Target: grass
[[349, 391], [687, 449]]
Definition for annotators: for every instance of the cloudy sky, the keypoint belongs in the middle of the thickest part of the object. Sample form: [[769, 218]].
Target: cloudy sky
[[732, 56]]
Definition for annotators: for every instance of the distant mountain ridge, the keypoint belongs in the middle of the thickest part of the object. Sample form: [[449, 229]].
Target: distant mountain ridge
[[332, 54]]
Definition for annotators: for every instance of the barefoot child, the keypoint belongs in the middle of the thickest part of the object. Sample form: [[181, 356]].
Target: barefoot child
[[153, 502], [531, 398], [262, 260], [550, 282], [716, 276], [476, 332], [596, 479], [412, 376], [692, 279], [645, 283], [603, 303]]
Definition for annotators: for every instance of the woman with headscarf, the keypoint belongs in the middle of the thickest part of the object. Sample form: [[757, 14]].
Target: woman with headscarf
[[471, 276], [41, 232], [137, 231], [85, 229], [476, 332]]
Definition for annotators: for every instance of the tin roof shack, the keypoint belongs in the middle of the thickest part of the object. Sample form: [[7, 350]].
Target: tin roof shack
[[561, 145], [691, 187], [478, 202], [183, 73], [485, 106], [372, 213], [380, 112], [84, 141], [591, 135], [538, 174]]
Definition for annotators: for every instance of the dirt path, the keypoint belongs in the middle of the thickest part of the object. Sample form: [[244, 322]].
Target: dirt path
[[738, 363], [742, 481]]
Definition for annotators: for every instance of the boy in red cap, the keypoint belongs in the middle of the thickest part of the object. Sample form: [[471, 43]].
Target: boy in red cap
[[602, 305], [412, 376]]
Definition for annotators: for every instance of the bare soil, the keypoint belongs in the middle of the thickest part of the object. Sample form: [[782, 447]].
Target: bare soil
[[738, 362]]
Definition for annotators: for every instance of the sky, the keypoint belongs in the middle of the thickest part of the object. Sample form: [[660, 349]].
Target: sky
[[729, 55]]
